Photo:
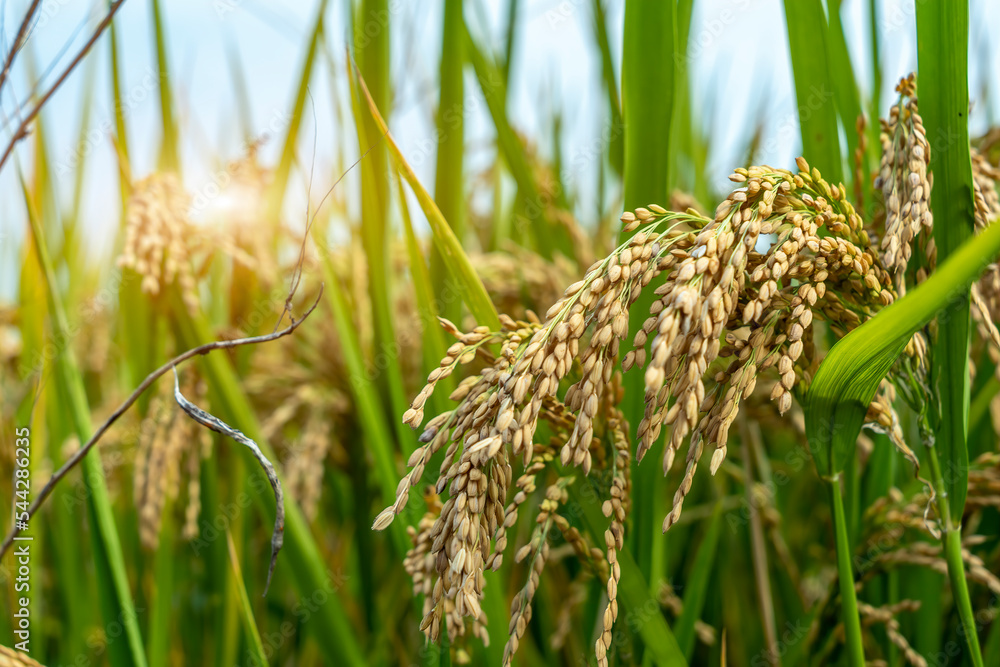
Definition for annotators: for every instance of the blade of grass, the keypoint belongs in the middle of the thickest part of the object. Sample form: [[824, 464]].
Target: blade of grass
[[459, 266], [393, 399], [121, 135], [845, 89], [537, 203], [510, 38], [241, 93], [921, 584], [161, 617], [953, 556], [648, 99], [808, 43], [366, 399], [449, 191], [82, 149], [647, 110], [992, 654], [942, 29], [256, 646], [371, 43], [979, 407], [169, 149], [878, 479], [683, 139], [845, 575], [850, 374], [224, 632], [942, 58], [696, 588], [874, 126], [276, 193], [433, 341], [616, 147], [116, 598]]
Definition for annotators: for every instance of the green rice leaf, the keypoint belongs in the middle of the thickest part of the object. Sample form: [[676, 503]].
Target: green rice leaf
[[169, 149], [112, 577], [449, 191], [647, 108], [696, 588], [371, 42], [494, 90], [434, 345], [256, 646], [942, 55], [850, 374], [647, 100], [845, 87], [160, 618], [121, 135], [366, 398], [282, 172], [814, 90], [616, 147], [457, 262]]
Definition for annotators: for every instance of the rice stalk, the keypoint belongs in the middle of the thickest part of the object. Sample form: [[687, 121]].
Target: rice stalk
[[647, 112]]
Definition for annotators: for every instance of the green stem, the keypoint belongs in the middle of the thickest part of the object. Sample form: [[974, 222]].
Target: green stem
[[647, 82], [952, 539], [848, 597], [633, 590], [116, 601]]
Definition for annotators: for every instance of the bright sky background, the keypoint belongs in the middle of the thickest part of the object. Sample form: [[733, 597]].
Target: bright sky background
[[738, 49]]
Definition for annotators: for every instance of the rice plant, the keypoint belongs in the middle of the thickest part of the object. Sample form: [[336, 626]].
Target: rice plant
[[392, 403]]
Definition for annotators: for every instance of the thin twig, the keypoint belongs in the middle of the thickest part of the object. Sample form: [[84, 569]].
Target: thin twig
[[22, 131], [219, 426], [134, 396], [18, 42], [310, 221]]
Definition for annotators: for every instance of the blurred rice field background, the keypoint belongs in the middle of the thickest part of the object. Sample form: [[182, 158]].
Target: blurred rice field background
[[212, 169]]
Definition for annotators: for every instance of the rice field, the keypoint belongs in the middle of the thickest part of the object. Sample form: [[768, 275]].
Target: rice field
[[525, 381]]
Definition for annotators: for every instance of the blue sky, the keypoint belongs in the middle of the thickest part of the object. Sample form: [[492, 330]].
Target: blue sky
[[738, 50]]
